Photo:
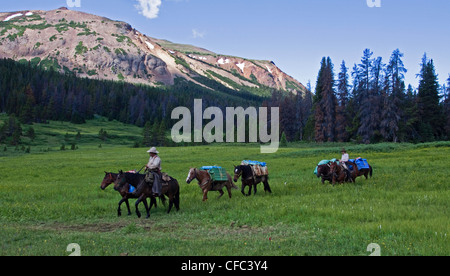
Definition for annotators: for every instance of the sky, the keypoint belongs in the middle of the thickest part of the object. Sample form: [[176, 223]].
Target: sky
[[294, 34]]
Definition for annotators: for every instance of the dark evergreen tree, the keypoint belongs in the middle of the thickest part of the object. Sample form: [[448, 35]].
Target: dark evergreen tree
[[392, 117], [367, 96], [147, 134], [342, 114], [325, 103], [429, 109], [447, 107]]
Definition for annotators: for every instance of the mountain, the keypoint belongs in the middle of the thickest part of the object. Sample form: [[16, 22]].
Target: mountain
[[100, 48]]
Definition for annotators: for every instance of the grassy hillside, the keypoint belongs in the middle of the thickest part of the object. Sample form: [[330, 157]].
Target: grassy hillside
[[50, 137], [49, 200]]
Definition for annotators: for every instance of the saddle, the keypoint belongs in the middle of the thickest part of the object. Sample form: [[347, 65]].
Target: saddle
[[165, 178]]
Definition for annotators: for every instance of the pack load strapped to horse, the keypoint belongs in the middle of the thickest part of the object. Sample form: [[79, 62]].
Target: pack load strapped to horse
[[361, 163], [216, 173], [364, 167], [211, 178], [324, 162], [258, 168]]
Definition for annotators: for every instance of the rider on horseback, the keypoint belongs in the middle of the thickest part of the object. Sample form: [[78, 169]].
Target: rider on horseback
[[344, 159], [154, 171]]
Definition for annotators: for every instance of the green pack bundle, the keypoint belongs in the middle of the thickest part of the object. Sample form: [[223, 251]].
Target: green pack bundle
[[217, 173]]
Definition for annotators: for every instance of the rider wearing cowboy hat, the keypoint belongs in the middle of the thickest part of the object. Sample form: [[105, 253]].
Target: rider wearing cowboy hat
[[154, 171], [344, 159]]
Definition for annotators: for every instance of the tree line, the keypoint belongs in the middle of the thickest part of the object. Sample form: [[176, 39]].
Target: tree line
[[374, 105], [31, 94]]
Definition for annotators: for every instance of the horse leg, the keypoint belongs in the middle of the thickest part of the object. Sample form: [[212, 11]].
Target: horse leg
[[221, 193], [171, 202], [119, 212], [254, 186], [205, 195], [229, 190], [137, 207], [250, 190], [266, 186], [146, 207], [128, 206], [243, 188], [177, 198]]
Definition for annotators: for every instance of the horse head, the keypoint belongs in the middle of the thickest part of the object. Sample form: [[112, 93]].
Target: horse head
[[323, 170], [237, 173], [191, 175], [108, 180], [120, 181]]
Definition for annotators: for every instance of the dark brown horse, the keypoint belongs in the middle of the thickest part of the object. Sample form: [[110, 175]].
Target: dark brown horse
[[249, 179], [144, 191], [341, 175], [206, 184], [366, 172], [111, 178], [324, 171]]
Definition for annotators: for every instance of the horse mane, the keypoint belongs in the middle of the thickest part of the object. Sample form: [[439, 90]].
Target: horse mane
[[246, 171]]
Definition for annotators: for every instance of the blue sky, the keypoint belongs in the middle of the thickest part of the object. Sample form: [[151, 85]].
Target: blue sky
[[295, 34]]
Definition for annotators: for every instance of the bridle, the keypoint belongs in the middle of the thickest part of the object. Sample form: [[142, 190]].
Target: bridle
[[189, 180]]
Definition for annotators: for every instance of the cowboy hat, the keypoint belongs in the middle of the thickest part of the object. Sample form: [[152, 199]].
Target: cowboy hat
[[153, 150]]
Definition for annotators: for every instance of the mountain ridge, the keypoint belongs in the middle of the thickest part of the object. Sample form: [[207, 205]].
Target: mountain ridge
[[101, 48]]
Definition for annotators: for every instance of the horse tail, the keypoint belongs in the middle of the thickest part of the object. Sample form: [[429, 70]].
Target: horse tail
[[177, 194], [230, 180]]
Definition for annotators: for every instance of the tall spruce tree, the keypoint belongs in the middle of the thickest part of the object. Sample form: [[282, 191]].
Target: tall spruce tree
[[392, 117], [325, 103], [367, 96], [429, 109], [342, 114], [447, 107]]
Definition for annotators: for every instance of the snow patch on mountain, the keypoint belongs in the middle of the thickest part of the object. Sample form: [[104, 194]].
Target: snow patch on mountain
[[241, 66], [150, 46], [13, 16]]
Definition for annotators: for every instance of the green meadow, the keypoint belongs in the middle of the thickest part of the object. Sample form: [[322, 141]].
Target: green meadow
[[51, 198]]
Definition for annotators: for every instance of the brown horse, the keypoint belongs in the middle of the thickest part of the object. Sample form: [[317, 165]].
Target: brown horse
[[341, 175], [366, 172], [144, 191], [248, 179], [324, 171], [111, 178], [206, 184]]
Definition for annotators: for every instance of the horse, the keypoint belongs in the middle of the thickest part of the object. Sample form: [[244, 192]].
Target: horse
[[324, 171], [341, 175], [366, 172], [111, 178], [206, 184], [249, 179], [144, 191]]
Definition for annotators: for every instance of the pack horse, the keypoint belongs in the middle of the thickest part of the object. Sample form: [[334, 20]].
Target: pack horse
[[252, 173], [211, 178]]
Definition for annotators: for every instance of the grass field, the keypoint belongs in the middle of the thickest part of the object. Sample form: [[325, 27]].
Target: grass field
[[51, 199]]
